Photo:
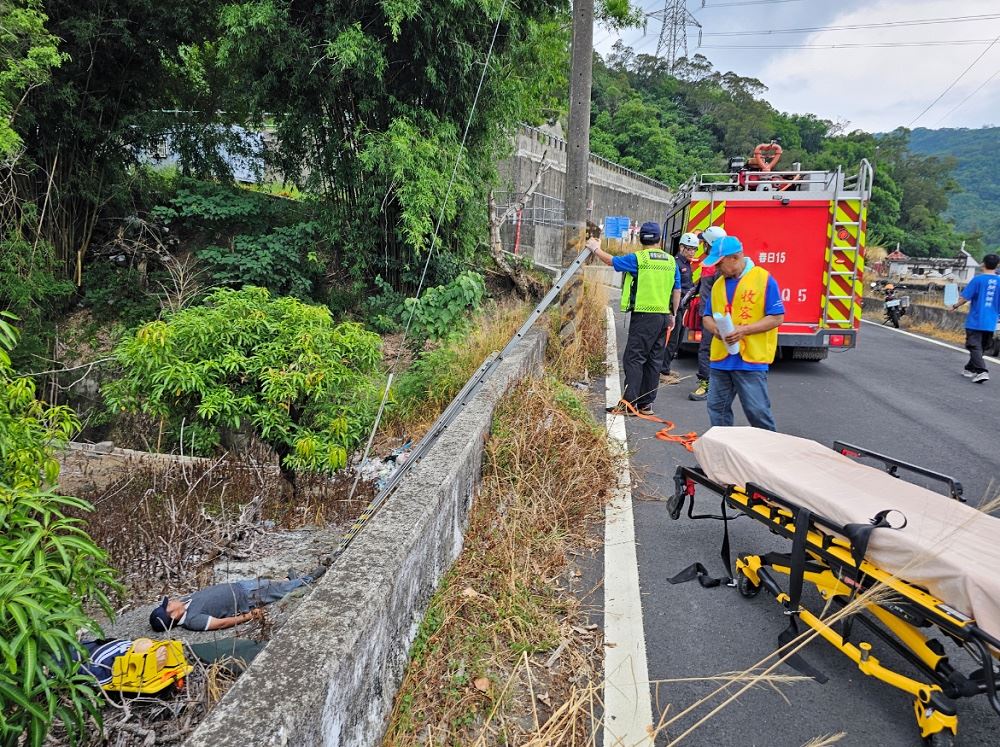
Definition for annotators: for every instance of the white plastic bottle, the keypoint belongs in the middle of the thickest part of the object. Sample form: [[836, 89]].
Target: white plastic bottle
[[725, 324]]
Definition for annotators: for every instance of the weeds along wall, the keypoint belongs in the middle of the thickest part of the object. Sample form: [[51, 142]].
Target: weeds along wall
[[330, 675]]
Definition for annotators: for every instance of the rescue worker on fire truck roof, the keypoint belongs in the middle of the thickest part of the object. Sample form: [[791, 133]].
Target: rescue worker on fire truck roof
[[702, 277], [651, 288], [753, 298]]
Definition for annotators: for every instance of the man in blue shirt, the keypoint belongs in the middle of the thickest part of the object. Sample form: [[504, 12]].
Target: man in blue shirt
[[753, 298], [983, 296]]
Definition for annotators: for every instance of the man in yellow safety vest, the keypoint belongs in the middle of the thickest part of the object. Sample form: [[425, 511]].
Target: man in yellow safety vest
[[752, 299], [650, 289]]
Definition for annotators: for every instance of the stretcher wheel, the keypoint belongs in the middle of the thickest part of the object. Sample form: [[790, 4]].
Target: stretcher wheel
[[941, 739], [746, 586]]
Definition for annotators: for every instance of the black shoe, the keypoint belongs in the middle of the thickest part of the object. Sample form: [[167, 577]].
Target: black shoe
[[314, 574]]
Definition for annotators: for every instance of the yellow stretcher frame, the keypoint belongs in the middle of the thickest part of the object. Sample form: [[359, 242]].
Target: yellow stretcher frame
[[832, 570]]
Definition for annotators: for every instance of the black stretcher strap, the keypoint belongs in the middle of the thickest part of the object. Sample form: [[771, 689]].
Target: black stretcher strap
[[696, 571], [796, 574], [699, 572], [859, 536], [796, 661]]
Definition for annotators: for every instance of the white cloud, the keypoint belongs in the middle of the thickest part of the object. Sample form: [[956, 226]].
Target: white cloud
[[878, 89]]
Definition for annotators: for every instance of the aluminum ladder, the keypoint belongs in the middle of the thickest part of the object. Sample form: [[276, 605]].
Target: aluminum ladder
[[841, 251]]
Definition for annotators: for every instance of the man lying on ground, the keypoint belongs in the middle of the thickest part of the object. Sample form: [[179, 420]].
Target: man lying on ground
[[226, 605]]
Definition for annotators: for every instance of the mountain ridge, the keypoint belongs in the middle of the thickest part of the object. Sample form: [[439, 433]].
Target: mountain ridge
[[976, 152]]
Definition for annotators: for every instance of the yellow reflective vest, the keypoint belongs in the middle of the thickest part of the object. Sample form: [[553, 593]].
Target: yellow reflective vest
[[747, 307]]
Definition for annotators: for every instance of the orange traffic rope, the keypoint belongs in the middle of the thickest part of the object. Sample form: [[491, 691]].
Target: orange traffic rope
[[624, 407]]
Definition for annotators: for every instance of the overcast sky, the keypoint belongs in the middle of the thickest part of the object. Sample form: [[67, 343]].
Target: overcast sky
[[872, 88]]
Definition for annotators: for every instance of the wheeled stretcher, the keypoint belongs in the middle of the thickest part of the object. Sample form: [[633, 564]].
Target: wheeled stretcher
[[854, 527]]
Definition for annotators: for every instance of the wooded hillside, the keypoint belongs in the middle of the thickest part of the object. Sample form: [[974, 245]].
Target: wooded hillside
[[671, 126], [977, 170]]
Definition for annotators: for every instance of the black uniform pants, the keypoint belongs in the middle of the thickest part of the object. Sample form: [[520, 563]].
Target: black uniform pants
[[644, 356], [673, 345], [705, 346]]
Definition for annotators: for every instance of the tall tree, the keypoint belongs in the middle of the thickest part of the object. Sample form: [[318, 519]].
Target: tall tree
[[84, 129], [369, 102]]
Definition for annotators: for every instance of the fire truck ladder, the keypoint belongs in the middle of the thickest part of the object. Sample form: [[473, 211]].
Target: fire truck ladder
[[840, 253]]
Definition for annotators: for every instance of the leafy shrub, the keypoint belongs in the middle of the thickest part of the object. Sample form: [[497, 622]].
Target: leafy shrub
[[49, 568], [208, 206], [245, 360], [116, 294], [384, 310], [30, 288], [248, 238], [441, 311], [281, 261], [436, 376]]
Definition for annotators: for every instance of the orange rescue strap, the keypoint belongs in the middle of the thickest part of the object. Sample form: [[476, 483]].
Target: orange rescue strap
[[624, 407]]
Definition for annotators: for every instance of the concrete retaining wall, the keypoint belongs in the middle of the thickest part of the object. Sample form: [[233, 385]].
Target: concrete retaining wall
[[330, 674], [613, 190], [935, 315]]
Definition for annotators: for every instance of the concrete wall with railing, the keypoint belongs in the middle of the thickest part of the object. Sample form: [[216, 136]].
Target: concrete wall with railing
[[613, 190], [329, 676]]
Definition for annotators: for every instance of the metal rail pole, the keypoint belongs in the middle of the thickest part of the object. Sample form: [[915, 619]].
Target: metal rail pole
[[457, 405]]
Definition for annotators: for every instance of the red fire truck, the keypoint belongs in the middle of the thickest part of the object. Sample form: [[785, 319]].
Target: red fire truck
[[807, 228]]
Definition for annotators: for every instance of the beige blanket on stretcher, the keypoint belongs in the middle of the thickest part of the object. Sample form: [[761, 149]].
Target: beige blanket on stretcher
[[947, 547]]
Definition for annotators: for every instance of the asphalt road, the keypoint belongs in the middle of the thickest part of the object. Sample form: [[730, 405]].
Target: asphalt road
[[894, 394]]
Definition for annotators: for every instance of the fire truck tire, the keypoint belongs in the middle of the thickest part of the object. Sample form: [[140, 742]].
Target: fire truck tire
[[809, 354]]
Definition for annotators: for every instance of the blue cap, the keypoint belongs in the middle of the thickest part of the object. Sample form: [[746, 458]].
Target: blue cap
[[724, 247], [649, 233]]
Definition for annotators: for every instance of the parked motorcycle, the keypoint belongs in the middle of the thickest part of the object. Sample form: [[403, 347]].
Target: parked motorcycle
[[895, 308]]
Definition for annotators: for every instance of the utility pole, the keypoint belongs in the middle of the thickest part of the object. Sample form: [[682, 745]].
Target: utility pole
[[673, 33], [578, 137]]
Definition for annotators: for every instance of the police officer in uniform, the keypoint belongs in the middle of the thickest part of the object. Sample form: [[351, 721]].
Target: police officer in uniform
[[651, 288]]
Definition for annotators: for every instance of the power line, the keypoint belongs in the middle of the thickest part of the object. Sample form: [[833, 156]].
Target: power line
[[886, 24], [858, 45], [739, 5], [954, 82], [959, 105]]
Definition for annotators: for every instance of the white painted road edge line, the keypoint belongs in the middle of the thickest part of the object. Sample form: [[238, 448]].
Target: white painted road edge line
[[931, 340], [628, 710]]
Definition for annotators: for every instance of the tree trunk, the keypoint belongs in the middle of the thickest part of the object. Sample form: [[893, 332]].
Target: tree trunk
[[525, 285]]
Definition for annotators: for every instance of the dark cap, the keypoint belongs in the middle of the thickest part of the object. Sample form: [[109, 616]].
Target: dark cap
[[649, 233], [159, 620]]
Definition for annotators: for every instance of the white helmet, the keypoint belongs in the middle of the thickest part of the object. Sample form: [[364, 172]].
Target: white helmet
[[689, 239], [712, 234]]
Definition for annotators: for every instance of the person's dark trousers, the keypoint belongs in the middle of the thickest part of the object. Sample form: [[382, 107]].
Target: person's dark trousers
[[751, 386], [673, 344], [705, 346], [976, 341], [704, 355], [643, 357]]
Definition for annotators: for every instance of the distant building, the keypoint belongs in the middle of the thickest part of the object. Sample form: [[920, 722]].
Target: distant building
[[960, 269]]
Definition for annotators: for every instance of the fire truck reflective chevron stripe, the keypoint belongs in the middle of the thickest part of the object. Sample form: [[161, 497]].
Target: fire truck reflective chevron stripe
[[846, 224], [704, 213], [844, 280]]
